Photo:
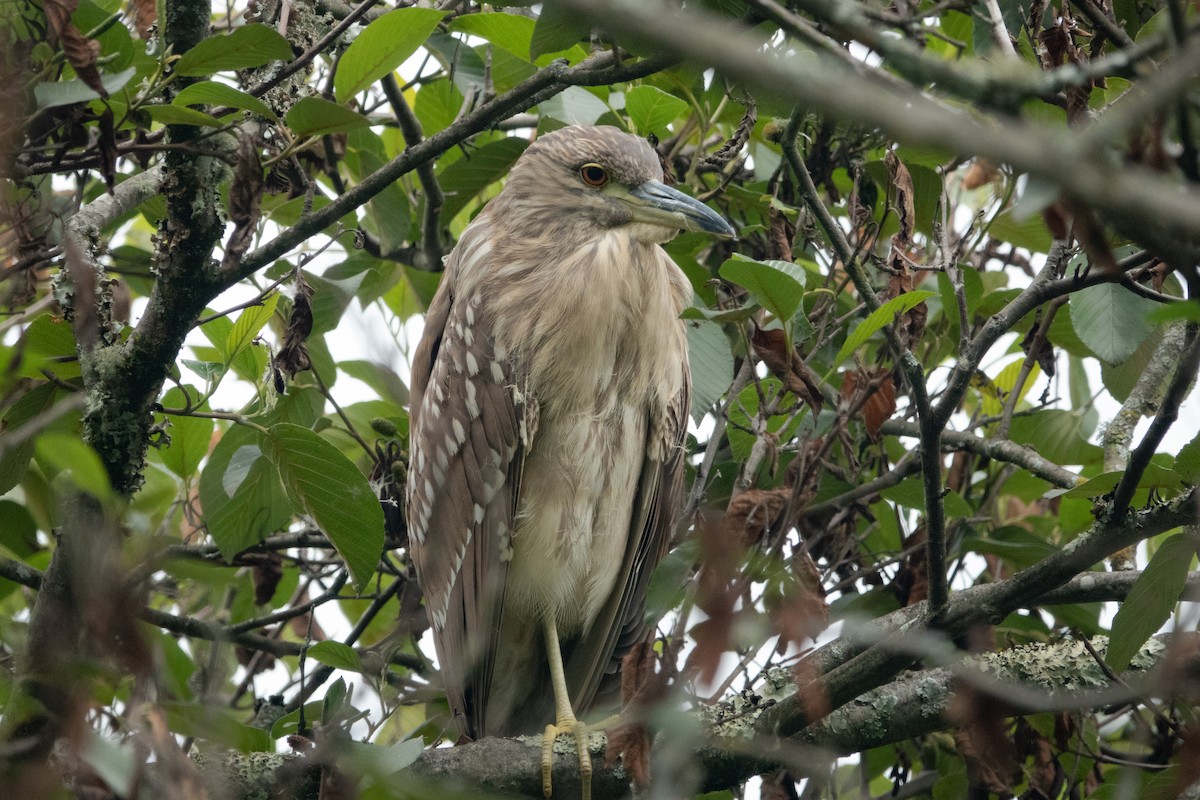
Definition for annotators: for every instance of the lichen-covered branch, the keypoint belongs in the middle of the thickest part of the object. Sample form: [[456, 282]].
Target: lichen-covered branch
[[1059, 676]]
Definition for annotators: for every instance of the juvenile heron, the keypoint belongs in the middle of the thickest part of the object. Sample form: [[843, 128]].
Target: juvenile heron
[[549, 409]]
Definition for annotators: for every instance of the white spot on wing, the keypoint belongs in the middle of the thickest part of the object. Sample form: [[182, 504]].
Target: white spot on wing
[[472, 403], [472, 365]]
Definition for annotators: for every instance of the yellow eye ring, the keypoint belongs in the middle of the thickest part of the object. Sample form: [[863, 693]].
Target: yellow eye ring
[[593, 174]]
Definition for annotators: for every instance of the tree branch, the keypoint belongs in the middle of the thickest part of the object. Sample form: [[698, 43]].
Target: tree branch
[[1004, 450], [852, 665], [546, 83], [1151, 208]]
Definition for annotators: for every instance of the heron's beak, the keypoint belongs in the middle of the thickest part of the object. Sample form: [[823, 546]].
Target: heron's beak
[[659, 204]]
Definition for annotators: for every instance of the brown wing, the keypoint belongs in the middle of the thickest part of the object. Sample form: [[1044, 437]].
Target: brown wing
[[621, 623], [463, 480]]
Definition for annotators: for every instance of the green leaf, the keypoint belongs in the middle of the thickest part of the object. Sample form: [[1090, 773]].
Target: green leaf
[[1182, 311], [712, 365], [778, 286], [1055, 435], [1154, 476], [1029, 233], [205, 369], [910, 493], [49, 343], [14, 458], [879, 319], [71, 458], [1121, 379], [556, 29], [383, 46], [181, 115], [18, 530], [1187, 461], [249, 46], [1151, 600], [336, 655], [739, 314], [437, 104], [65, 93], [1016, 545], [1111, 320], [380, 764], [380, 378], [1004, 381], [511, 32], [329, 487], [388, 211], [467, 177], [219, 94], [246, 327], [215, 724], [240, 492], [574, 106], [1098, 486], [190, 436], [115, 763], [314, 116], [652, 109]]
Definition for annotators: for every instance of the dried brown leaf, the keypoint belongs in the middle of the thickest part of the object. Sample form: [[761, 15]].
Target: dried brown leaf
[[905, 210], [245, 195], [751, 513], [1090, 234], [811, 689], [873, 392], [267, 573], [1039, 347], [779, 785], [737, 141], [786, 364], [911, 584], [106, 144], [779, 235], [293, 354], [800, 614], [80, 51], [642, 685], [991, 756], [716, 595], [144, 14], [1058, 219], [980, 173]]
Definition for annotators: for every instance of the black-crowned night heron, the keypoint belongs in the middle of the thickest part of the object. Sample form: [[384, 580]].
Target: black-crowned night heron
[[549, 409]]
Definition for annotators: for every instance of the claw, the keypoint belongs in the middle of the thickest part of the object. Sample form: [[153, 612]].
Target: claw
[[570, 727]]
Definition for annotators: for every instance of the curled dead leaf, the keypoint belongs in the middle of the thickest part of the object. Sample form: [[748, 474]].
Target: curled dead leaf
[[80, 51], [716, 596], [785, 363], [642, 685], [873, 392], [293, 353], [751, 513], [980, 173]]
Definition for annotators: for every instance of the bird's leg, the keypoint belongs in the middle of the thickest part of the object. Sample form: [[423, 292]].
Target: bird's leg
[[565, 721]]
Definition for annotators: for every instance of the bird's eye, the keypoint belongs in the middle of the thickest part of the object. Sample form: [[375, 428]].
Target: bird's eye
[[593, 174]]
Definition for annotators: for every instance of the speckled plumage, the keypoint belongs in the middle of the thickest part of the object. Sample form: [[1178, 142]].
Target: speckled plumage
[[549, 410]]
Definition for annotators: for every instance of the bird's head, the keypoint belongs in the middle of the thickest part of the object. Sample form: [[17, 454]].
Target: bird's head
[[600, 178]]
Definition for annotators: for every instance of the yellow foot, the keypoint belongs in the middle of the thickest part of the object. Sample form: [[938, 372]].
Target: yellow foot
[[570, 727]]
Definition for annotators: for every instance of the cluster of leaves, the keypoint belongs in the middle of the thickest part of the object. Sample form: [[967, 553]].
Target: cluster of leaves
[[917, 377]]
